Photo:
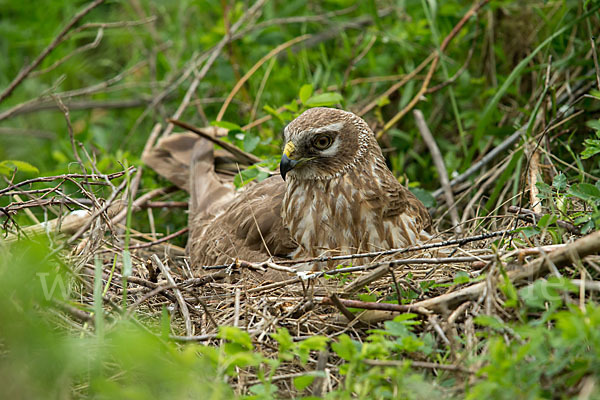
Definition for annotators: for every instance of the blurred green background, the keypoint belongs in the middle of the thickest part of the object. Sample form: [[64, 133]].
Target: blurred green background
[[131, 67]]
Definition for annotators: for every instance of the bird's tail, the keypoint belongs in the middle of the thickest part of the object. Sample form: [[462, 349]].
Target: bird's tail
[[189, 162]]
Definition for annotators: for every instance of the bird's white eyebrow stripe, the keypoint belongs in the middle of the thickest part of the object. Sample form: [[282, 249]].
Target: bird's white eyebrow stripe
[[335, 127]]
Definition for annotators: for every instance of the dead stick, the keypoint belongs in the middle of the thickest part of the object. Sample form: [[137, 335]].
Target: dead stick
[[583, 247], [438, 160], [182, 305], [244, 156], [57, 40], [164, 239], [254, 68], [418, 364], [66, 176], [459, 242], [536, 217], [105, 207], [367, 305], [339, 304], [457, 28], [509, 141]]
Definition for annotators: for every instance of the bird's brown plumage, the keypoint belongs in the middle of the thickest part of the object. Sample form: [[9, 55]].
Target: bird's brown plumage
[[339, 197]]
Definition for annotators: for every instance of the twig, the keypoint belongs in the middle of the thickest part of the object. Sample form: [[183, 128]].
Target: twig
[[438, 160], [459, 242], [595, 56], [237, 152], [204, 338], [254, 68], [509, 141], [584, 246], [418, 364], [86, 47], [65, 111], [66, 176], [182, 304], [42, 105], [405, 78], [57, 40], [36, 133], [408, 261], [163, 239], [146, 297], [105, 207], [140, 201], [209, 62], [236, 309], [74, 311], [368, 305], [536, 217], [339, 304], [457, 28], [111, 25]]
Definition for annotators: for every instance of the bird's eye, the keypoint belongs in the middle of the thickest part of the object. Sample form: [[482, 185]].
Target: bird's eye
[[322, 142]]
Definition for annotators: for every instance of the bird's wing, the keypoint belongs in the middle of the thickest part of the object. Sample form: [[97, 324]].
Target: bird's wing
[[171, 158], [395, 199], [249, 228]]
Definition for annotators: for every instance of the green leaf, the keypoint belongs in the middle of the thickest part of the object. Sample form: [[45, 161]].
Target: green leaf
[[426, 197], [489, 321], [227, 125], [236, 335], [560, 182], [126, 264], [245, 176], [529, 231], [324, 99], [302, 382], [461, 277], [305, 92], [292, 106], [274, 113], [264, 391], [250, 142], [592, 147], [367, 297], [594, 124], [546, 220], [585, 191], [545, 190], [283, 337], [8, 166], [345, 347], [383, 101]]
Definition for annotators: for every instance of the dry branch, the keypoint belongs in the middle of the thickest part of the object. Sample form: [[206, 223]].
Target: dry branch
[[509, 141], [57, 40], [438, 160], [531, 215], [182, 304], [424, 87], [582, 247], [206, 134]]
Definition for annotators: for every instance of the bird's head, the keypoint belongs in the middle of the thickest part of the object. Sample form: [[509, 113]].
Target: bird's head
[[324, 142]]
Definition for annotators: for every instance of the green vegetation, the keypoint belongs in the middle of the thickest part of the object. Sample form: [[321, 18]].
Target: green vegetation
[[67, 331]]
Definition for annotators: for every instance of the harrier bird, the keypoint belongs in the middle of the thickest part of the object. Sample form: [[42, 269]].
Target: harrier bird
[[335, 196]]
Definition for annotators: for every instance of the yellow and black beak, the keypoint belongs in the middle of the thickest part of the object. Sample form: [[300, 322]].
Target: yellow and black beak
[[287, 159]]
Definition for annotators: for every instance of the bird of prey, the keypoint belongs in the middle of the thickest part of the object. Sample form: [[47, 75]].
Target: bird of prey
[[335, 195]]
